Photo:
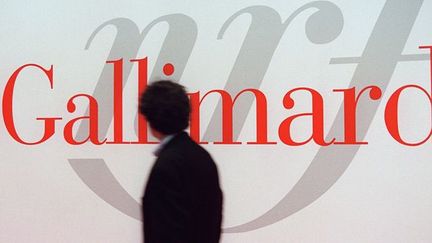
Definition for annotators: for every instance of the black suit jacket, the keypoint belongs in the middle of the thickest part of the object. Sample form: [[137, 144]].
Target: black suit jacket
[[182, 202]]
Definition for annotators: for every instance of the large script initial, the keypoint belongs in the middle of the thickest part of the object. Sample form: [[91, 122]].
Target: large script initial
[[94, 172]]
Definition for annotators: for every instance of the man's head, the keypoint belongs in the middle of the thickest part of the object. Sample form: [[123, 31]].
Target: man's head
[[165, 105]]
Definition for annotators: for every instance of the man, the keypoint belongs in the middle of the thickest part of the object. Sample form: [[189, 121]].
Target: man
[[182, 201]]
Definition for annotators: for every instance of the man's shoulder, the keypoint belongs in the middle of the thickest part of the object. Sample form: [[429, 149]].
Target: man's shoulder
[[182, 149], [182, 143]]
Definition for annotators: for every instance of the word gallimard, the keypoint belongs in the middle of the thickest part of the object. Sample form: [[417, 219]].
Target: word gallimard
[[351, 97]]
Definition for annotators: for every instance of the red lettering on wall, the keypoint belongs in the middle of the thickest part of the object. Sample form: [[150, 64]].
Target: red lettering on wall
[[317, 116], [92, 120], [391, 115], [227, 116], [7, 105], [350, 111]]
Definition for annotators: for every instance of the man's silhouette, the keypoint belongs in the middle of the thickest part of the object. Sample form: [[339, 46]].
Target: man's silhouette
[[182, 201]]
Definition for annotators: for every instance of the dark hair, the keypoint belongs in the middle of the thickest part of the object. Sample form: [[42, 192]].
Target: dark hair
[[166, 107]]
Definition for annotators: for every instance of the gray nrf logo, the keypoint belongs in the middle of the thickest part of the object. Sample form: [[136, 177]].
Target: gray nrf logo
[[383, 48]]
